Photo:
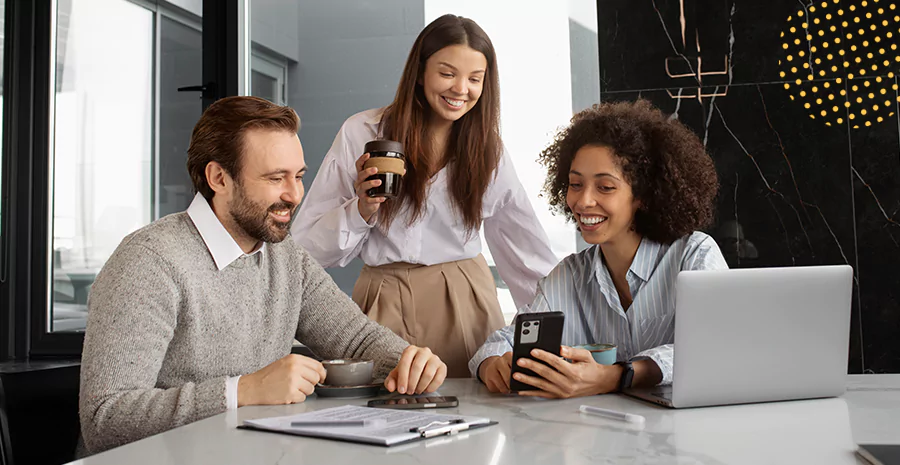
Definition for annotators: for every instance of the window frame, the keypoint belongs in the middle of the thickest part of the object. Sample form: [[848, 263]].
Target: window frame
[[272, 67], [25, 230]]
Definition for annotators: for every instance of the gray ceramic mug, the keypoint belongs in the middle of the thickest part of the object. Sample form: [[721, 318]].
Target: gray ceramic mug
[[348, 372]]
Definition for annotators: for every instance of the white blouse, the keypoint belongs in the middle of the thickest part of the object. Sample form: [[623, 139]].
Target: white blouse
[[329, 225]]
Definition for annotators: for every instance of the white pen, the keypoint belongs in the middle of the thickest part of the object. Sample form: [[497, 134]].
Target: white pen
[[338, 423], [606, 413]]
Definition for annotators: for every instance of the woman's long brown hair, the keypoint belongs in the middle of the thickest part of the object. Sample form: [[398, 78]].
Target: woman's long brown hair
[[474, 148]]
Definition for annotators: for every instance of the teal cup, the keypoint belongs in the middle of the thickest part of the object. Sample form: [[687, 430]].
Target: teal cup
[[604, 354]]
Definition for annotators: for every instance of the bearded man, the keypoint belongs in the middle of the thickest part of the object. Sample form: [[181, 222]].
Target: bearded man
[[195, 313]]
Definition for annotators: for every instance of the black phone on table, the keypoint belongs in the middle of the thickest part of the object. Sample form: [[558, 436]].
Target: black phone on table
[[417, 402], [534, 331]]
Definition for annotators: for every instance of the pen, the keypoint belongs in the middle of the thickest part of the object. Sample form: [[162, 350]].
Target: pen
[[606, 413], [449, 429], [338, 423]]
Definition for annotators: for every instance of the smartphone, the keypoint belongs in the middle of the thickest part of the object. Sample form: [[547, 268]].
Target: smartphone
[[411, 402], [534, 331]]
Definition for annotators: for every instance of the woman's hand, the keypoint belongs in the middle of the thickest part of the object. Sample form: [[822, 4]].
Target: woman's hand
[[494, 372], [367, 205], [581, 377]]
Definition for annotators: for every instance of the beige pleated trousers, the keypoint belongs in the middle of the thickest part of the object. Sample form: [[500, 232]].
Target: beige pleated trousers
[[451, 308]]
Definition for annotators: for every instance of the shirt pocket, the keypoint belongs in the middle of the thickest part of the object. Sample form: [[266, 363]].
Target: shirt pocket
[[656, 331]]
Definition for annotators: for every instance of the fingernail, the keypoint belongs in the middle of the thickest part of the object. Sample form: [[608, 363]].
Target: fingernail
[[522, 362], [402, 389]]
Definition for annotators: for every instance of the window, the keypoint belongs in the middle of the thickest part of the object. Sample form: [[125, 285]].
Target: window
[[340, 61], [120, 132], [559, 65], [99, 133], [268, 78], [102, 144]]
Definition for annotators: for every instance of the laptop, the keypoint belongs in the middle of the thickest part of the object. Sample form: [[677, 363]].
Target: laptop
[[758, 335]]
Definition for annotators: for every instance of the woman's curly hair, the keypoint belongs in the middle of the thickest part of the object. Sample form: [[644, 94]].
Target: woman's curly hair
[[665, 163]]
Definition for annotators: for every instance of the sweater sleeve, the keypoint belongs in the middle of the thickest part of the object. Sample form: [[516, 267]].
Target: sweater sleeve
[[333, 326], [133, 312]]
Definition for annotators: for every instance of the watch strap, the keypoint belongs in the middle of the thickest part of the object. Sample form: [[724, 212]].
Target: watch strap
[[627, 375]]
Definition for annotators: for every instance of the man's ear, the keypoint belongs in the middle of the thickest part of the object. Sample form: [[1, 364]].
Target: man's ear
[[217, 178]]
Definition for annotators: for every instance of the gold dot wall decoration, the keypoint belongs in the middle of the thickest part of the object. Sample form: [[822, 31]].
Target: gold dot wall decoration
[[845, 50]]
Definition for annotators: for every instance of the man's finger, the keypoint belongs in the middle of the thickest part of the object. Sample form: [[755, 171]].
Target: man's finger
[[417, 369], [298, 397], [315, 365], [403, 367], [306, 387], [310, 375], [438, 379], [390, 383], [428, 374]]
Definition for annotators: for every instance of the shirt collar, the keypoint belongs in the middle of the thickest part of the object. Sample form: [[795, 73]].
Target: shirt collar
[[642, 265], [221, 244], [375, 119], [645, 259]]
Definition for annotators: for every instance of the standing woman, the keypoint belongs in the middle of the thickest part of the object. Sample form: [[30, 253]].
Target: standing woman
[[425, 277]]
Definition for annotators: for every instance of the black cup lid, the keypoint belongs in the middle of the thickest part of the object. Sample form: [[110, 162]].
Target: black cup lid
[[383, 145]]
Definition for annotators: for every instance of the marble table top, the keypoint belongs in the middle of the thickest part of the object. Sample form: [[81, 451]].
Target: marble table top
[[823, 431]]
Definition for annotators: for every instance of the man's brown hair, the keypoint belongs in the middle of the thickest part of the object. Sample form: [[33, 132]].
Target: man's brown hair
[[219, 135]]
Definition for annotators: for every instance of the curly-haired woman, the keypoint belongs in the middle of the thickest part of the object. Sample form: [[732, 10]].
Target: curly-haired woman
[[639, 185]]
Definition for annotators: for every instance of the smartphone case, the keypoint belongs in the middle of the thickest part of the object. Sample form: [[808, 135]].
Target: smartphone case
[[549, 338]]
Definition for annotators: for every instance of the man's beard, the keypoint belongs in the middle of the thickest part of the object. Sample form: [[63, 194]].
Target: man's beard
[[255, 221]]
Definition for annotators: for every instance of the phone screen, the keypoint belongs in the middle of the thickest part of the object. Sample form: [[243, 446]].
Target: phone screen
[[415, 402]]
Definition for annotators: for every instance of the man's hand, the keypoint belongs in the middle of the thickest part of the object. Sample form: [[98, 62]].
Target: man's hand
[[418, 371], [287, 380], [494, 372], [582, 377]]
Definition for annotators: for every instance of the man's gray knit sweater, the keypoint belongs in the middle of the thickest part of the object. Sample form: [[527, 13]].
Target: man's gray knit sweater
[[166, 328]]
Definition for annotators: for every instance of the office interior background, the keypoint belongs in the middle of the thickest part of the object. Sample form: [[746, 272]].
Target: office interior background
[[797, 105]]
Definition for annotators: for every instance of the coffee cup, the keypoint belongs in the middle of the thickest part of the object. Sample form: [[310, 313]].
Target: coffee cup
[[604, 354], [348, 372], [387, 156]]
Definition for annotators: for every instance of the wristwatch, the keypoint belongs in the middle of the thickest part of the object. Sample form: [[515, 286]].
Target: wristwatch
[[627, 375]]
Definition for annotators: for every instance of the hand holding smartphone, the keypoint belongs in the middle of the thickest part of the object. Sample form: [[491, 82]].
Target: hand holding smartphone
[[534, 331]]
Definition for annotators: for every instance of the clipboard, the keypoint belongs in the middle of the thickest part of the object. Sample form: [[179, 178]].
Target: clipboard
[[879, 454], [393, 427]]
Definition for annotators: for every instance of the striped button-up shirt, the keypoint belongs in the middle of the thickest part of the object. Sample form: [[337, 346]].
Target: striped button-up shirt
[[582, 288]]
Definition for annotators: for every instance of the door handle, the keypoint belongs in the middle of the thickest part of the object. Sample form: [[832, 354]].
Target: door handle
[[207, 90]]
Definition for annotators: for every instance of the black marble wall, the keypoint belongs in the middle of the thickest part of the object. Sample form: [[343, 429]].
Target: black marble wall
[[797, 103]]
